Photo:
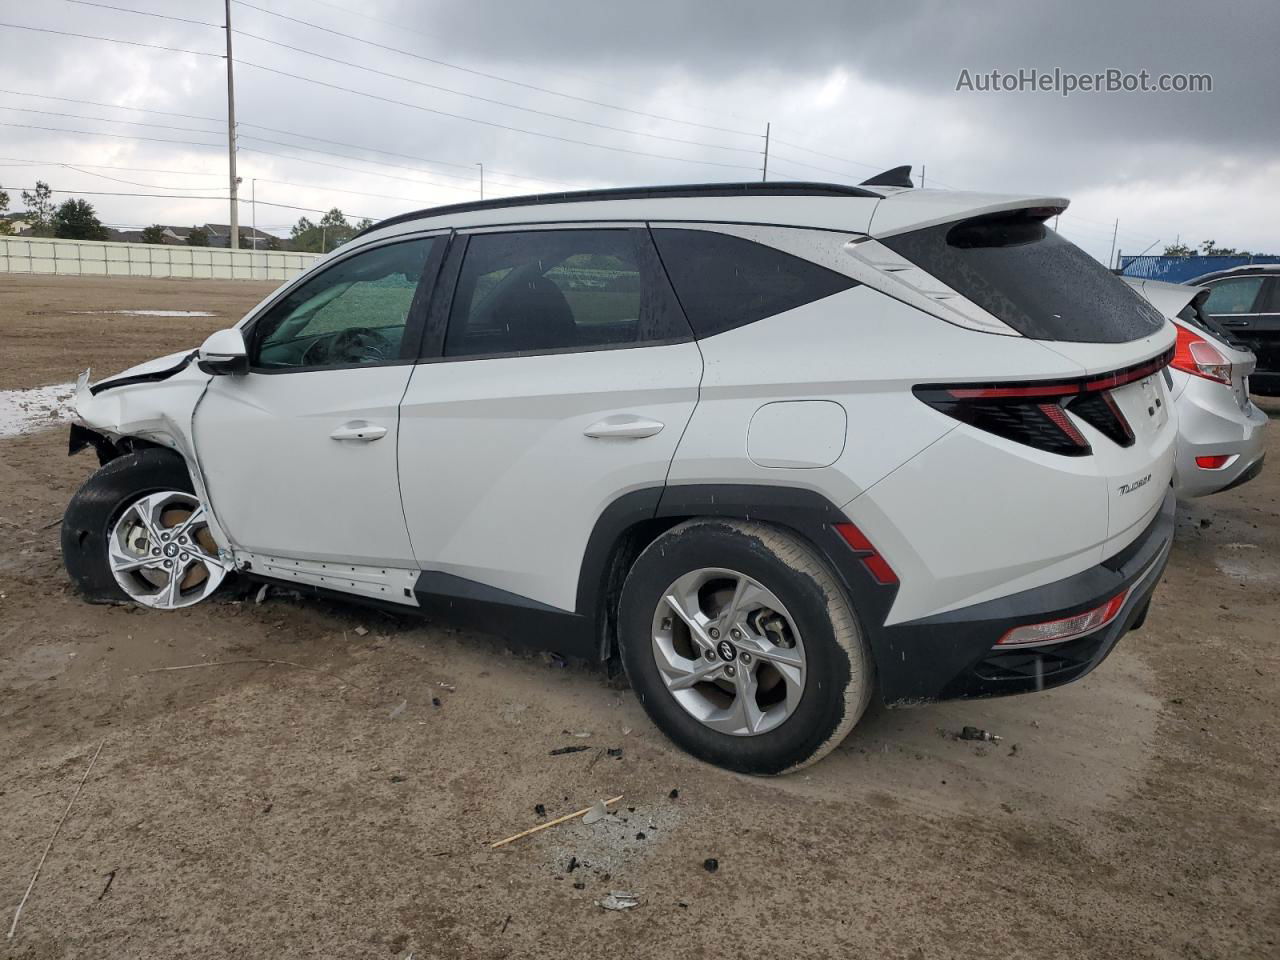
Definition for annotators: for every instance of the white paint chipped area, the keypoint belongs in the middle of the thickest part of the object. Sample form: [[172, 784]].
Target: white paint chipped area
[[23, 411], [142, 313]]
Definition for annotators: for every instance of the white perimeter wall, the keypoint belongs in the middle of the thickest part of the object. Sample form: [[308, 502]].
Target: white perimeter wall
[[94, 258]]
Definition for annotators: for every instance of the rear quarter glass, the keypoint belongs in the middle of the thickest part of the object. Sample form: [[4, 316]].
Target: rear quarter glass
[[1030, 277]]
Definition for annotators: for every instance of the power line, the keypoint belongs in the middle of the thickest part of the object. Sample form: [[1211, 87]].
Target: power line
[[27, 162], [113, 106], [830, 156], [132, 123], [488, 76], [451, 176], [100, 133], [490, 123], [147, 13], [402, 28], [132, 183], [90, 36], [170, 196], [290, 133], [490, 100], [336, 166]]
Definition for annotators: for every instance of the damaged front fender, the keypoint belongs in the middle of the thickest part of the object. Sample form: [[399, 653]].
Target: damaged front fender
[[149, 405]]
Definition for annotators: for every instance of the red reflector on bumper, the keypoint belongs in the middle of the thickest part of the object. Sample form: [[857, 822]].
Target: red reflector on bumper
[[1055, 631], [875, 564], [1216, 462]]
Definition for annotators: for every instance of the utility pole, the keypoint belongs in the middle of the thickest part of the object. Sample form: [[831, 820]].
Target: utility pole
[[231, 137], [481, 166], [1111, 257], [764, 171], [922, 176]]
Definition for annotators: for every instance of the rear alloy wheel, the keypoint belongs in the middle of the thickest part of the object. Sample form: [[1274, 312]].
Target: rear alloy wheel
[[728, 651], [742, 647]]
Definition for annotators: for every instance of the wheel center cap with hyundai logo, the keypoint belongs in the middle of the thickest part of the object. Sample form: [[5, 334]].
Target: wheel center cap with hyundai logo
[[726, 650]]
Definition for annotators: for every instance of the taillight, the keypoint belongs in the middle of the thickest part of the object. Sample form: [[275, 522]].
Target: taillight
[[1056, 631], [1195, 355], [1035, 413]]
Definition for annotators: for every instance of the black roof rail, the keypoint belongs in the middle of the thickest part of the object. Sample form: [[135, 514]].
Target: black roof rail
[[755, 188], [896, 177]]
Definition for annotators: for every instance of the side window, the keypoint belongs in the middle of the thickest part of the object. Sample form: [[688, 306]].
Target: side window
[[353, 312], [1235, 295], [725, 282], [558, 289], [1271, 296]]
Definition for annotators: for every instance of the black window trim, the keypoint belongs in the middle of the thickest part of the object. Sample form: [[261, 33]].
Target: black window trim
[[414, 323], [446, 288]]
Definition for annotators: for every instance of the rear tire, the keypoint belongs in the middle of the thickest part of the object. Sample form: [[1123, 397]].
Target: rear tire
[[795, 675], [96, 550]]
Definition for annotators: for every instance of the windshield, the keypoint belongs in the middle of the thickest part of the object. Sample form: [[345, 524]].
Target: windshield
[[1031, 278]]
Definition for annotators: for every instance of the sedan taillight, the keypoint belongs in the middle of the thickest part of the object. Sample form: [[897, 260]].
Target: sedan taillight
[[1195, 355]]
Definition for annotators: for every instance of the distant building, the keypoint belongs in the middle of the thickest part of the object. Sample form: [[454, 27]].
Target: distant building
[[220, 236]]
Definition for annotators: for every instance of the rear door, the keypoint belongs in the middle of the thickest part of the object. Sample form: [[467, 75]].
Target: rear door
[[558, 375]]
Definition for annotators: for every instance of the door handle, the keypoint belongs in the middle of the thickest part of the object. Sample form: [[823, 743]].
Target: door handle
[[623, 425], [361, 430]]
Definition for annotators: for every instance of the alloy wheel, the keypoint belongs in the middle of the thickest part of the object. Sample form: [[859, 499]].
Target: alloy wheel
[[728, 651], [161, 552]]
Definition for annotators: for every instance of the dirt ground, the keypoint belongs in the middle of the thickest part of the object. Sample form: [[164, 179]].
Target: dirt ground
[[337, 803]]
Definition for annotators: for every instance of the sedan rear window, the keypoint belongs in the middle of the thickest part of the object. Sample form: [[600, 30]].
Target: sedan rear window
[[1040, 284]]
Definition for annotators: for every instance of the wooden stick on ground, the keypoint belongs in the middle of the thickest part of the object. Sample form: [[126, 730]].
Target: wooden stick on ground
[[30, 886], [551, 823], [227, 663]]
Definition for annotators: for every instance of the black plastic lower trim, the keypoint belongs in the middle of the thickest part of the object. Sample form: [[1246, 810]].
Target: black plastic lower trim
[[951, 655]]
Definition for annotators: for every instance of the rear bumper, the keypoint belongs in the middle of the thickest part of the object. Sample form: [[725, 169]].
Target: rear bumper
[[1212, 423], [951, 655]]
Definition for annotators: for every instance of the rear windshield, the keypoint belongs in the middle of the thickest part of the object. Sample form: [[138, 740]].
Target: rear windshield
[[1041, 285]]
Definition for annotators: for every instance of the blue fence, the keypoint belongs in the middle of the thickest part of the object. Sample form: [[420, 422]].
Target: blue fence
[[1182, 269]]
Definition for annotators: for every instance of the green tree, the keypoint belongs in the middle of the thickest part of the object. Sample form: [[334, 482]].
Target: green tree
[[40, 209], [1177, 250], [272, 243], [6, 227], [153, 234], [198, 237], [331, 232], [76, 220], [1210, 248]]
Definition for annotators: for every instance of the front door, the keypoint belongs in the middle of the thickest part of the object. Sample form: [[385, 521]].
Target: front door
[[299, 454]]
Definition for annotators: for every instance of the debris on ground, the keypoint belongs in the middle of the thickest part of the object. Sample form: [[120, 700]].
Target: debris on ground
[[711, 864], [600, 805], [561, 751], [540, 809], [553, 659], [435, 701], [361, 631], [619, 900], [262, 594], [614, 751], [595, 813], [447, 686], [399, 709], [674, 794], [572, 865], [976, 733]]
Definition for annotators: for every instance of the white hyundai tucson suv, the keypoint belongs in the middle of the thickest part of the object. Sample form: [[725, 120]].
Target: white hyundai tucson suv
[[776, 447]]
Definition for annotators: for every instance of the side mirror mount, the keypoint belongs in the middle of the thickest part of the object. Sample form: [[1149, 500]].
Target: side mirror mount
[[223, 353]]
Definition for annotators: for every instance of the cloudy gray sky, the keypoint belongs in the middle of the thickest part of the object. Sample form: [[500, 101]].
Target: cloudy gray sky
[[656, 92]]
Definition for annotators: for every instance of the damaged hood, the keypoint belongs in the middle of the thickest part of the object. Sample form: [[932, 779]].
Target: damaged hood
[[160, 368]]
